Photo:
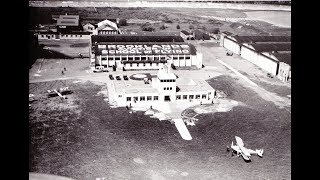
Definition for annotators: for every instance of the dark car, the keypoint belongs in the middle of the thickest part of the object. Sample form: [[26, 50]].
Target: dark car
[[111, 77], [125, 77], [118, 78]]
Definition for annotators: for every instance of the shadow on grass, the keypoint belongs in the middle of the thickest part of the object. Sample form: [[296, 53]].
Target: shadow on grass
[[50, 54]]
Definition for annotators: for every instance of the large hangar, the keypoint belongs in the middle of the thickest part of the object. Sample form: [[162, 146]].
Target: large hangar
[[271, 53], [259, 54], [133, 52]]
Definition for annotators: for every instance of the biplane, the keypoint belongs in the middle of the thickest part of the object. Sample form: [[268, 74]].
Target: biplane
[[240, 150]]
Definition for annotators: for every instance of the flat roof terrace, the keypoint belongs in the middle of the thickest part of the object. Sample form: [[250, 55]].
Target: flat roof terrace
[[193, 85], [134, 87]]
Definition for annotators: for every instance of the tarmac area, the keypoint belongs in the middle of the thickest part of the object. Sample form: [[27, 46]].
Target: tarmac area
[[89, 137]]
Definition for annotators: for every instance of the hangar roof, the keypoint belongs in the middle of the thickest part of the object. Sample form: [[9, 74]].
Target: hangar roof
[[283, 57], [253, 39], [135, 38], [192, 49], [270, 47], [186, 32]]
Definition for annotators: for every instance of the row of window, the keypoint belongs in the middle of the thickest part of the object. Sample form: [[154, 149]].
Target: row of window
[[62, 35], [167, 88], [144, 64], [156, 98], [198, 96], [143, 98], [142, 58], [168, 80], [107, 32]]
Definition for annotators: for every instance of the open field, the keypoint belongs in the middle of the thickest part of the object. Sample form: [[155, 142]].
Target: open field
[[84, 138]]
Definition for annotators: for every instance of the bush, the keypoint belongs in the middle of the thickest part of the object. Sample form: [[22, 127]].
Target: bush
[[191, 26], [215, 31], [147, 27], [178, 27], [123, 22], [162, 27]]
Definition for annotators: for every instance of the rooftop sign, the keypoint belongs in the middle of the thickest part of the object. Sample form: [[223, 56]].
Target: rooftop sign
[[145, 49]]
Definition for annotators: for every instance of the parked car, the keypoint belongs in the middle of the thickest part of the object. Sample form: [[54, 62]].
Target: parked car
[[125, 77], [100, 69], [269, 75], [229, 53], [111, 77], [118, 78]]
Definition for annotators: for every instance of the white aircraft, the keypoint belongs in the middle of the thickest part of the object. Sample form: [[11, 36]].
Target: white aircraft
[[60, 92], [239, 149]]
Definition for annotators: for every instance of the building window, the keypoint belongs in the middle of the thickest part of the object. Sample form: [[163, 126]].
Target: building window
[[173, 80], [204, 96], [157, 64], [184, 97], [135, 98], [144, 64], [80, 35], [142, 98], [150, 64], [187, 57], [155, 98], [66, 35], [120, 96], [198, 96], [170, 88], [42, 35], [130, 64], [149, 98], [178, 96], [190, 96], [128, 98], [164, 88], [161, 80]]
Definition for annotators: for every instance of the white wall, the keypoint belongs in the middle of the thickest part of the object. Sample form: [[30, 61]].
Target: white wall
[[267, 64], [260, 60], [249, 54], [231, 45]]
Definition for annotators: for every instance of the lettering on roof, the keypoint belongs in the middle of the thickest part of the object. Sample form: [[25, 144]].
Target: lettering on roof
[[145, 49]]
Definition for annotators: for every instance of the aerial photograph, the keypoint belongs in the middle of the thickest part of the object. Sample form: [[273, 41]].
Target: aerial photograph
[[159, 89]]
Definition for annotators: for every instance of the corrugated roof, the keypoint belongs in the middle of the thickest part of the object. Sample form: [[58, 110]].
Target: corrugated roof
[[227, 33], [68, 20], [134, 38], [185, 32], [283, 57], [252, 39], [75, 32], [269, 47]]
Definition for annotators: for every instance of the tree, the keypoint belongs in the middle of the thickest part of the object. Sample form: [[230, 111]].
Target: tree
[[162, 27], [178, 27], [123, 22], [147, 27]]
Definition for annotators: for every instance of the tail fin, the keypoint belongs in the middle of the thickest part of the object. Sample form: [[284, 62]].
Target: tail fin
[[259, 152]]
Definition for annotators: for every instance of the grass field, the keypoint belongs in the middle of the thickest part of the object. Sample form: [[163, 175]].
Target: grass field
[[84, 138]]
